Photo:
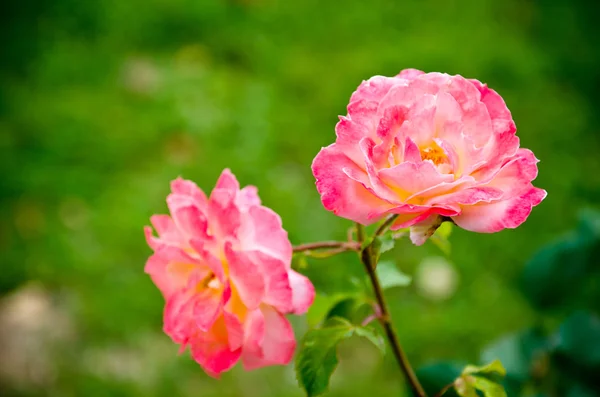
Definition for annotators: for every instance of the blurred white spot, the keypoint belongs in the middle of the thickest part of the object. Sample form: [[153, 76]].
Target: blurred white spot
[[436, 278], [32, 327]]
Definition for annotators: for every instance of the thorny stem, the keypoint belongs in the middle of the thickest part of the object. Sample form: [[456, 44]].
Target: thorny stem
[[339, 245], [385, 319]]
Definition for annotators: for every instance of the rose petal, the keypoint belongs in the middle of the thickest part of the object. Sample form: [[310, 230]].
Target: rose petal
[[270, 339], [341, 195], [189, 188], [493, 217], [405, 179], [261, 229], [246, 277], [213, 352], [303, 292]]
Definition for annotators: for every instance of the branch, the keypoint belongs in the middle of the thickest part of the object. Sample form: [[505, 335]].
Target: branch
[[444, 390], [339, 245]]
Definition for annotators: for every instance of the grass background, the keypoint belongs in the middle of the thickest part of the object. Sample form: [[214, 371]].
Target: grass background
[[103, 103]]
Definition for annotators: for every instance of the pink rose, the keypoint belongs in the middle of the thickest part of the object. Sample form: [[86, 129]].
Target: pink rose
[[428, 146], [223, 266]]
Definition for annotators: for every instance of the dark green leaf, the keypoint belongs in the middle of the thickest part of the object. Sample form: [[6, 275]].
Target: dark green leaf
[[560, 271], [351, 306], [352, 309], [509, 351], [434, 377], [578, 390], [317, 356], [547, 280], [579, 338], [321, 306], [589, 225], [390, 276]]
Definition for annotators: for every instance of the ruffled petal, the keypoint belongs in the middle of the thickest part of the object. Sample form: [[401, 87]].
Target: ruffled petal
[[495, 216], [247, 198], [190, 189], [261, 229], [303, 292], [410, 74], [270, 339], [340, 194], [246, 276], [406, 179], [212, 350]]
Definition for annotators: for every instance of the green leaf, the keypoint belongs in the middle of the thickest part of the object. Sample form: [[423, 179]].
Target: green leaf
[[444, 230], [387, 243], [389, 275], [372, 335], [488, 388], [317, 356], [345, 308], [509, 350], [479, 378], [377, 246], [440, 238], [322, 306], [495, 367], [368, 241], [464, 387]]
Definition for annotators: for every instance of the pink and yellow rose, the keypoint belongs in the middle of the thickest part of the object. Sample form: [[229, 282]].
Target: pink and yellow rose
[[428, 147], [222, 264]]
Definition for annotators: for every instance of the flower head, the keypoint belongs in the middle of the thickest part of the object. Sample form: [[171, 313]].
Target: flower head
[[222, 264], [427, 147]]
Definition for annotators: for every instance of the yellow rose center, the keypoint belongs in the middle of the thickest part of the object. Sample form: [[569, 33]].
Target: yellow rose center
[[437, 156]]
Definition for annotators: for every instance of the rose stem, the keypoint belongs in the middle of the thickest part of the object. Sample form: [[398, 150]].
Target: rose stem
[[384, 318], [345, 245]]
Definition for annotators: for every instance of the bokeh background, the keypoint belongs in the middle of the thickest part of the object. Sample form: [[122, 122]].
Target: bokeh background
[[102, 103]]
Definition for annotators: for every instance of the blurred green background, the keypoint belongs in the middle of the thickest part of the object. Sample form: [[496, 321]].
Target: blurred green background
[[102, 103]]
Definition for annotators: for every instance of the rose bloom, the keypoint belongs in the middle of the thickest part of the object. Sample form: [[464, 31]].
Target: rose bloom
[[428, 147], [223, 266]]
